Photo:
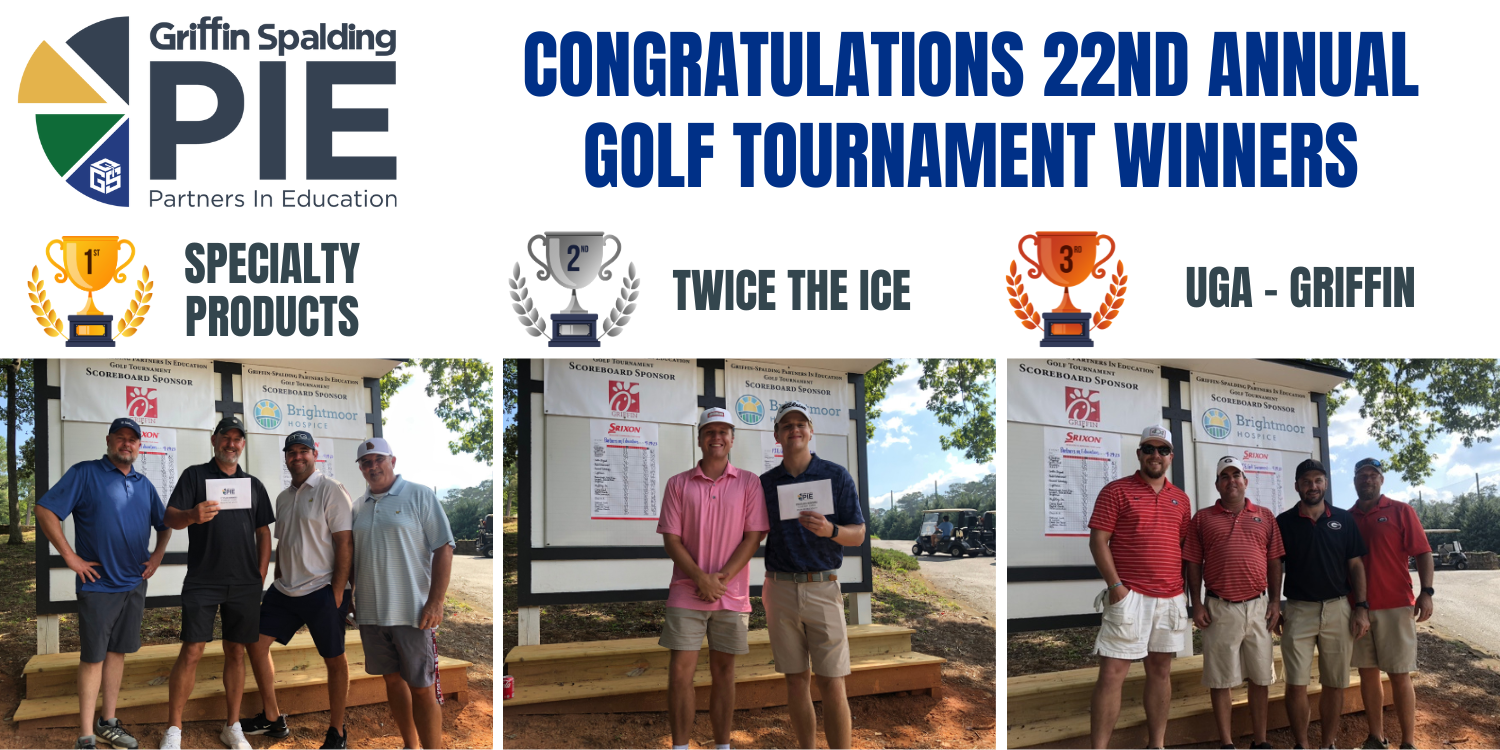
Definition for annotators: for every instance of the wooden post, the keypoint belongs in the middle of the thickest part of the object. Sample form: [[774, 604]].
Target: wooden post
[[529, 626], [47, 634], [857, 608]]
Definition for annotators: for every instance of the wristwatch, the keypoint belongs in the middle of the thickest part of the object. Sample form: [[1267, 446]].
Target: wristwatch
[[835, 531], [1428, 590], [1366, 605]]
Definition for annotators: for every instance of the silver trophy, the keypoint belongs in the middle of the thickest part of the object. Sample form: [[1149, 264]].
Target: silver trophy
[[575, 259]]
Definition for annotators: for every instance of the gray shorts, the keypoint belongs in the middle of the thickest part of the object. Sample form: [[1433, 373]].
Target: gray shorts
[[400, 648], [110, 622]]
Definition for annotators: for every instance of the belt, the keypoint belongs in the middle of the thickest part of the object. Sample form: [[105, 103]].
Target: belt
[[1212, 595], [821, 575]]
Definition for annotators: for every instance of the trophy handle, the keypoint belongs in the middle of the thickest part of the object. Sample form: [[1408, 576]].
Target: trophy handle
[[121, 269], [546, 272], [61, 278], [603, 274], [1035, 271], [1098, 271]]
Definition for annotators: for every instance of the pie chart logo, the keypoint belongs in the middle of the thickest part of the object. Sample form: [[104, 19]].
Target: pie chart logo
[[89, 145]]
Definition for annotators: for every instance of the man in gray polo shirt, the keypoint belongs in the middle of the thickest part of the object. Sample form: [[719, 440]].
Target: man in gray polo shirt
[[403, 554]]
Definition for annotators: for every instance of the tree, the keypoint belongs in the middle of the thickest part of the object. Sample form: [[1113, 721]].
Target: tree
[[467, 507], [511, 442], [512, 486], [962, 399], [1409, 402], [20, 403], [389, 384], [466, 389], [877, 381]]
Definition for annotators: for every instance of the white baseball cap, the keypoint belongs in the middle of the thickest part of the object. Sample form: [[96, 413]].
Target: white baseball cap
[[1225, 463], [787, 407], [714, 414], [1156, 432], [373, 447]]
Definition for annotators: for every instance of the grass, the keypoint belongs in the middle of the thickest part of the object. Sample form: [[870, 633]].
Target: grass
[[890, 559]]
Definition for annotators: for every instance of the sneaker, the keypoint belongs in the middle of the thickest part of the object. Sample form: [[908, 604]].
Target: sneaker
[[1260, 746], [259, 725], [172, 740], [234, 737], [335, 740], [85, 742], [1408, 746], [1375, 743], [113, 732]]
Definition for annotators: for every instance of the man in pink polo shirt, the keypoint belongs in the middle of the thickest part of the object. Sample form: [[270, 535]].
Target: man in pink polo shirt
[[712, 520]]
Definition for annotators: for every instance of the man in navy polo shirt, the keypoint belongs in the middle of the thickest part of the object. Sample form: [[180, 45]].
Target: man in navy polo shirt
[[114, 509], [1323, 567], [804, 605]]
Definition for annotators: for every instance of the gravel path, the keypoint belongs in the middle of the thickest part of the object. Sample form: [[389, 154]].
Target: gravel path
[[971, 580]]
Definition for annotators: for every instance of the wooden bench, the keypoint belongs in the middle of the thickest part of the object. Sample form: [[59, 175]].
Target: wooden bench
[[301, 680], [1054, 709], [631, 674]]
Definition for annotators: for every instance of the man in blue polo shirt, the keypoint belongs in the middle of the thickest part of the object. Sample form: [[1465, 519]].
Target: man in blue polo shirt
[[804, 605], [114, 509]]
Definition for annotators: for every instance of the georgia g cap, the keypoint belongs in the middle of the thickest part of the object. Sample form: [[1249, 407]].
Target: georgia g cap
[[788, 407], [1225, 463], [1156, 432], [373, 447], [714, 414]]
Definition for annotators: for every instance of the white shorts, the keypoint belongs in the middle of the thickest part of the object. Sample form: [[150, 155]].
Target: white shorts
[[1139, 624]]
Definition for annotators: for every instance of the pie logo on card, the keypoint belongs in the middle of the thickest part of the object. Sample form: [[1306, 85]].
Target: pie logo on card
[[1082, 406], [624, 399], [140, 402]]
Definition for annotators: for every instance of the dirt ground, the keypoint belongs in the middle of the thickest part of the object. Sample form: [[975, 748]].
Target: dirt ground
[[467, 633], [964, 716], [1458, 689]]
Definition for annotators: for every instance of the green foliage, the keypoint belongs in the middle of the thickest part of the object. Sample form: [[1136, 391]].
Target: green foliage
[[18, 383], [892, 559], [877, 382], [512, 486], [1410, 402], [905, 520], [467, 507], [389, 384], [511, 442], [963, 399], [465, 389]]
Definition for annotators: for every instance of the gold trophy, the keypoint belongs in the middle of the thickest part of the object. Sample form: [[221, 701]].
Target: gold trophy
[[1067, 260], [91, 263]]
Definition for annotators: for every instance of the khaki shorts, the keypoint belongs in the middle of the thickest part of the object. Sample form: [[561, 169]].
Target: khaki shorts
[[1139, 624], [1237, 644], [806, 622], [684, 630], [1391, 643], [1325, 625]]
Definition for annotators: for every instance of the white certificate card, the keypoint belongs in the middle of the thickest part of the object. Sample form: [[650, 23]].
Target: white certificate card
[[795, 498], [231, 494]]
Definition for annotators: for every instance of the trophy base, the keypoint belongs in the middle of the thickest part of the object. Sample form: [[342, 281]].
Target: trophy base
[[574, 330], [89, 330], [1066, 329]]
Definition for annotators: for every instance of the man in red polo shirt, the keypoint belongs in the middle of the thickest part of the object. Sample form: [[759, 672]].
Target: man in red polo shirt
[[1392, 533], [1235, 548], [1137, 529]]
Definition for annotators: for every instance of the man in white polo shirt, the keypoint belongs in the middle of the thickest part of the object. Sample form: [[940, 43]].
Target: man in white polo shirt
[[403, 555], [713, 517], [314, 552]]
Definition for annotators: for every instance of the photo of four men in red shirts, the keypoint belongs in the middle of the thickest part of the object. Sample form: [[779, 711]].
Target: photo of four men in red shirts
[[1225, 568]]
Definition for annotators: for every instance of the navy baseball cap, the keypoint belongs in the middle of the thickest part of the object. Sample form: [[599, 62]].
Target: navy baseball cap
[[1375, 462], [299, 437], [1311, 464], [229, 423], [124, 422]]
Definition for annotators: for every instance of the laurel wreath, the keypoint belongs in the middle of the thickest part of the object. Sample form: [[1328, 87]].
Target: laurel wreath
[[624, 306], [135, 313], [40, 305], [1020, 300], [1112, 301], [520, 299]]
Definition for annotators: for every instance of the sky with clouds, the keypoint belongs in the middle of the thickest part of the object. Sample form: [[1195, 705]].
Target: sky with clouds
[[1455, 466], [421, 442], [905, 455]]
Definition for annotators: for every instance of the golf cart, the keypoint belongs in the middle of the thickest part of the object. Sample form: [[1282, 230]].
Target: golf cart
[[487, 536], [963, 540], [985, 534], [1449, 554]]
